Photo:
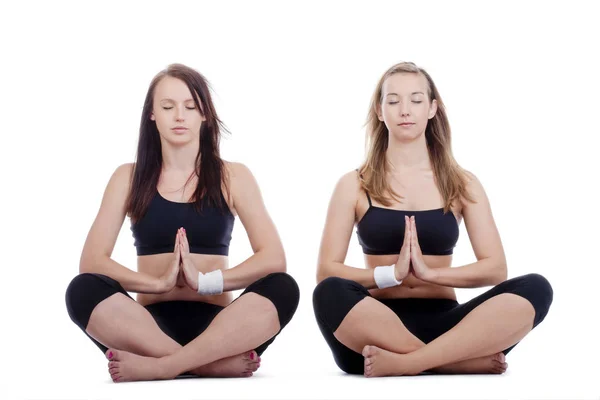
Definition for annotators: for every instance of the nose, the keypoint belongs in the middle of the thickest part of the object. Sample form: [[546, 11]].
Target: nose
[[404, 111], [179, 114]]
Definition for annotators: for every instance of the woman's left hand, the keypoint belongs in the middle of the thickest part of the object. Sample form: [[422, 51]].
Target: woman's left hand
[[417, 263], [190, 273]]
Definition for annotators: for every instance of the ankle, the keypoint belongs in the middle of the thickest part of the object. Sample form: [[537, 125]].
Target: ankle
[[165, 368]]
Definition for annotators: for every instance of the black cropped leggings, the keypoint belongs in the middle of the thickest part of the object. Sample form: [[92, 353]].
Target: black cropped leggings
[[426, 318], [181, 320]]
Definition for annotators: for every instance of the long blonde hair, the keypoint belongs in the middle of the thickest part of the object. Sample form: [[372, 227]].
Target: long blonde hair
[[450, 178]]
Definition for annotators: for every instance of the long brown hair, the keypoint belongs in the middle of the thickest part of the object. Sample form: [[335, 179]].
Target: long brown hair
[[209, 167], [449, 176]]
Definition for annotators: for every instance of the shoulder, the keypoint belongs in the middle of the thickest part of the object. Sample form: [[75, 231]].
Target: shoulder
[[473, 188], [350, 181], [121, 177], [236, 170], [348, 187], [124, 171], [239, 176], [241, 182]]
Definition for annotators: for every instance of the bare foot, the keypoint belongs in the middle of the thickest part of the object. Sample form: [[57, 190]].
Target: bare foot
[[380, 362], [125, 367], [494, 364], [241, 365]]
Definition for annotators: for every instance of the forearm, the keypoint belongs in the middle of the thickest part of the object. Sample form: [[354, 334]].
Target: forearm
[[259, 265], [131, 281], [363, 276], [485, 272]]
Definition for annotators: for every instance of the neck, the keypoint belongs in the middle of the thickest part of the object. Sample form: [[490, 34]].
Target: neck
[[179, 158], [407, 155]]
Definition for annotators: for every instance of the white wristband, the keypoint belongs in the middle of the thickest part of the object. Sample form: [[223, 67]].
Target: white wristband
[[386, 277], [210, 283]]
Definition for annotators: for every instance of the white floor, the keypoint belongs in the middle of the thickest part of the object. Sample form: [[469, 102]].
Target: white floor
[[548, 382]]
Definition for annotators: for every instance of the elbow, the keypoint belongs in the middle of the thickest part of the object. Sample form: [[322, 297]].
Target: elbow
[[322, 273], [500, 273], [85, 265], [278, 262], [89, 263]]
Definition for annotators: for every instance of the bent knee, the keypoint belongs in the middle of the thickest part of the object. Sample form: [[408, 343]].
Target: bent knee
[[333, 298], [536, 288], [282, 290], [84, 292], [333, 289]]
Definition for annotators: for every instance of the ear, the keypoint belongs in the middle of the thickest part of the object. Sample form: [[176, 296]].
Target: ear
[[152, 117], [379, 113], [432, 109]]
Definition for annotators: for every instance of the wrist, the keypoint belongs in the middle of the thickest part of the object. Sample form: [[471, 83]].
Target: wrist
[[385, 276], [210, 283], [157, 286], [431, 275]]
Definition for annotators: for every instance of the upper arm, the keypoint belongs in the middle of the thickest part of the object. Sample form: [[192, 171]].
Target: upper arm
[[340, 220], [480, 223], [250, 207], [103, 234]]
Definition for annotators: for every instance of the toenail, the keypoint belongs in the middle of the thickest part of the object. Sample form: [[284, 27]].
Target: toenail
[[252, 356], [110, 354]]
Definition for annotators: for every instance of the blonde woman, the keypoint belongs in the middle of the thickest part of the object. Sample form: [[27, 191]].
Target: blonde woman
[[399, 316]]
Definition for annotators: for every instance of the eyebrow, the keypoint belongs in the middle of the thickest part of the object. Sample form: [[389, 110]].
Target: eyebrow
[[167, 99], [396, 94]]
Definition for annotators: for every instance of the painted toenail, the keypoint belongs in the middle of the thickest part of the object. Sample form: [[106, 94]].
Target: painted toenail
[[110, 354], [252, 356]]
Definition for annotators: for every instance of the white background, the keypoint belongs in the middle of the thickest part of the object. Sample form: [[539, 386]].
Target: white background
[[292, 81]]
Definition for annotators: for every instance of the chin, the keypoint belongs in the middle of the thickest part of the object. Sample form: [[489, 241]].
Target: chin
[[405, 136], [178, 140]]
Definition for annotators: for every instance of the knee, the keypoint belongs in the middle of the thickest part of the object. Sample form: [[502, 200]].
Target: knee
[[283, 291], [80, 296], [539, 292], [79, 287], [540, 285], [75, 295], [333, 298], [333, 288]]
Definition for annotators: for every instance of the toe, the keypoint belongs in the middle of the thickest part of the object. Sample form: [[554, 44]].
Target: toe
[[369, 351], [368, 361], [252, 355], [113, 354], [365, 351], [247, 374], [499, 357]]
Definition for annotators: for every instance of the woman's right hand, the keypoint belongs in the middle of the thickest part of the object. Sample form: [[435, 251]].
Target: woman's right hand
[[168, 280], [402, 267]]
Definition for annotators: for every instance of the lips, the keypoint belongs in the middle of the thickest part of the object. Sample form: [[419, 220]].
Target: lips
[[406, 124]]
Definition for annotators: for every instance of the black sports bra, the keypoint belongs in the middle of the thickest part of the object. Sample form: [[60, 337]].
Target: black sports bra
[[381, 230], [208, 232]]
